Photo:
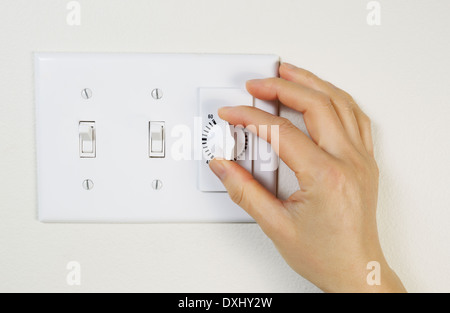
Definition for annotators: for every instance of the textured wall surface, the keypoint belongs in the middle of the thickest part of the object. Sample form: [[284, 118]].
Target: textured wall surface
[[398, 72]]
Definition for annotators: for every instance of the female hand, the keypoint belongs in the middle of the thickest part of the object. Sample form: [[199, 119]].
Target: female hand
[[327, 230]]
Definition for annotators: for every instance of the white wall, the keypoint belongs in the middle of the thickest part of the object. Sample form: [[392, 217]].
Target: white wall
[[398, 72]]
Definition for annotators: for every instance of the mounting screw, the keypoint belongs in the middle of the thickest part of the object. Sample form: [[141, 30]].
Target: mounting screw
[[157, 93], [157, 184], [86, 93], [88, 184]]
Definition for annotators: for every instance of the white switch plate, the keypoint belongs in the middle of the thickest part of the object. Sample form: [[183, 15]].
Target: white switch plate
[[122, 175]]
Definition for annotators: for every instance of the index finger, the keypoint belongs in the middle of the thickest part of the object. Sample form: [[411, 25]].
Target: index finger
[[295, 148]]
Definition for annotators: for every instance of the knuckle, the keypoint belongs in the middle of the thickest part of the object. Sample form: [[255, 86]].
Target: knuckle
[[347, 100], [310, 77], [284, 124], [347, 96], [324, 101], [285, 127], [237, 195], [242, 194], [347, 106], [365, 169], [273, 81], [330, 85], [323, 98], [365, 120]]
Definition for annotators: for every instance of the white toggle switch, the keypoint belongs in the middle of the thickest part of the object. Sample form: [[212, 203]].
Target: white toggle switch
[[86, 132], [156, 139]]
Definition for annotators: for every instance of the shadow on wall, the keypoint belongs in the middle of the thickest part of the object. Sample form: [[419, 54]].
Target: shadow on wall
[[390, 220]]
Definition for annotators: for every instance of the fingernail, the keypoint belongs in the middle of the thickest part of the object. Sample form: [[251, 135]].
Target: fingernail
[[224, 108], [222, 111], [218, 168], [289, 65], [254, 81]]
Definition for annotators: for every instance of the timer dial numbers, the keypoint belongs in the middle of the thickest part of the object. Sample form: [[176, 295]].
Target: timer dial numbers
[[219, 139]]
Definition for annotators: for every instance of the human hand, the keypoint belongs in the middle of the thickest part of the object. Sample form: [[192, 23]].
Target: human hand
[[327, 230]]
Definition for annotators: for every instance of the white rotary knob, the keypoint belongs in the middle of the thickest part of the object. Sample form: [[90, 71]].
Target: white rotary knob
[[223, 140]]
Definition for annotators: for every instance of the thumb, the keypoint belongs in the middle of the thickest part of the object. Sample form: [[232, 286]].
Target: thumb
[[248, 193]]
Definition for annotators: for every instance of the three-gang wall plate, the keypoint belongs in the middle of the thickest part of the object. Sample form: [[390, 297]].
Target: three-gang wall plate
[[113, 129]]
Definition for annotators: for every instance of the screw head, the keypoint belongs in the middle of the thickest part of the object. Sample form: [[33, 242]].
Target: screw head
[[86, 93], [157, 93], [88, 184], [157, 184]]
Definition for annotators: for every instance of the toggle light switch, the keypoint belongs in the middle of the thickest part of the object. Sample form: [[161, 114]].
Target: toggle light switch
[[86, 132], [156, 139]]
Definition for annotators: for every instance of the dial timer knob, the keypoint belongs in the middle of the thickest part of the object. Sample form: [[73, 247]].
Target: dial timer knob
[[224, 141]]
